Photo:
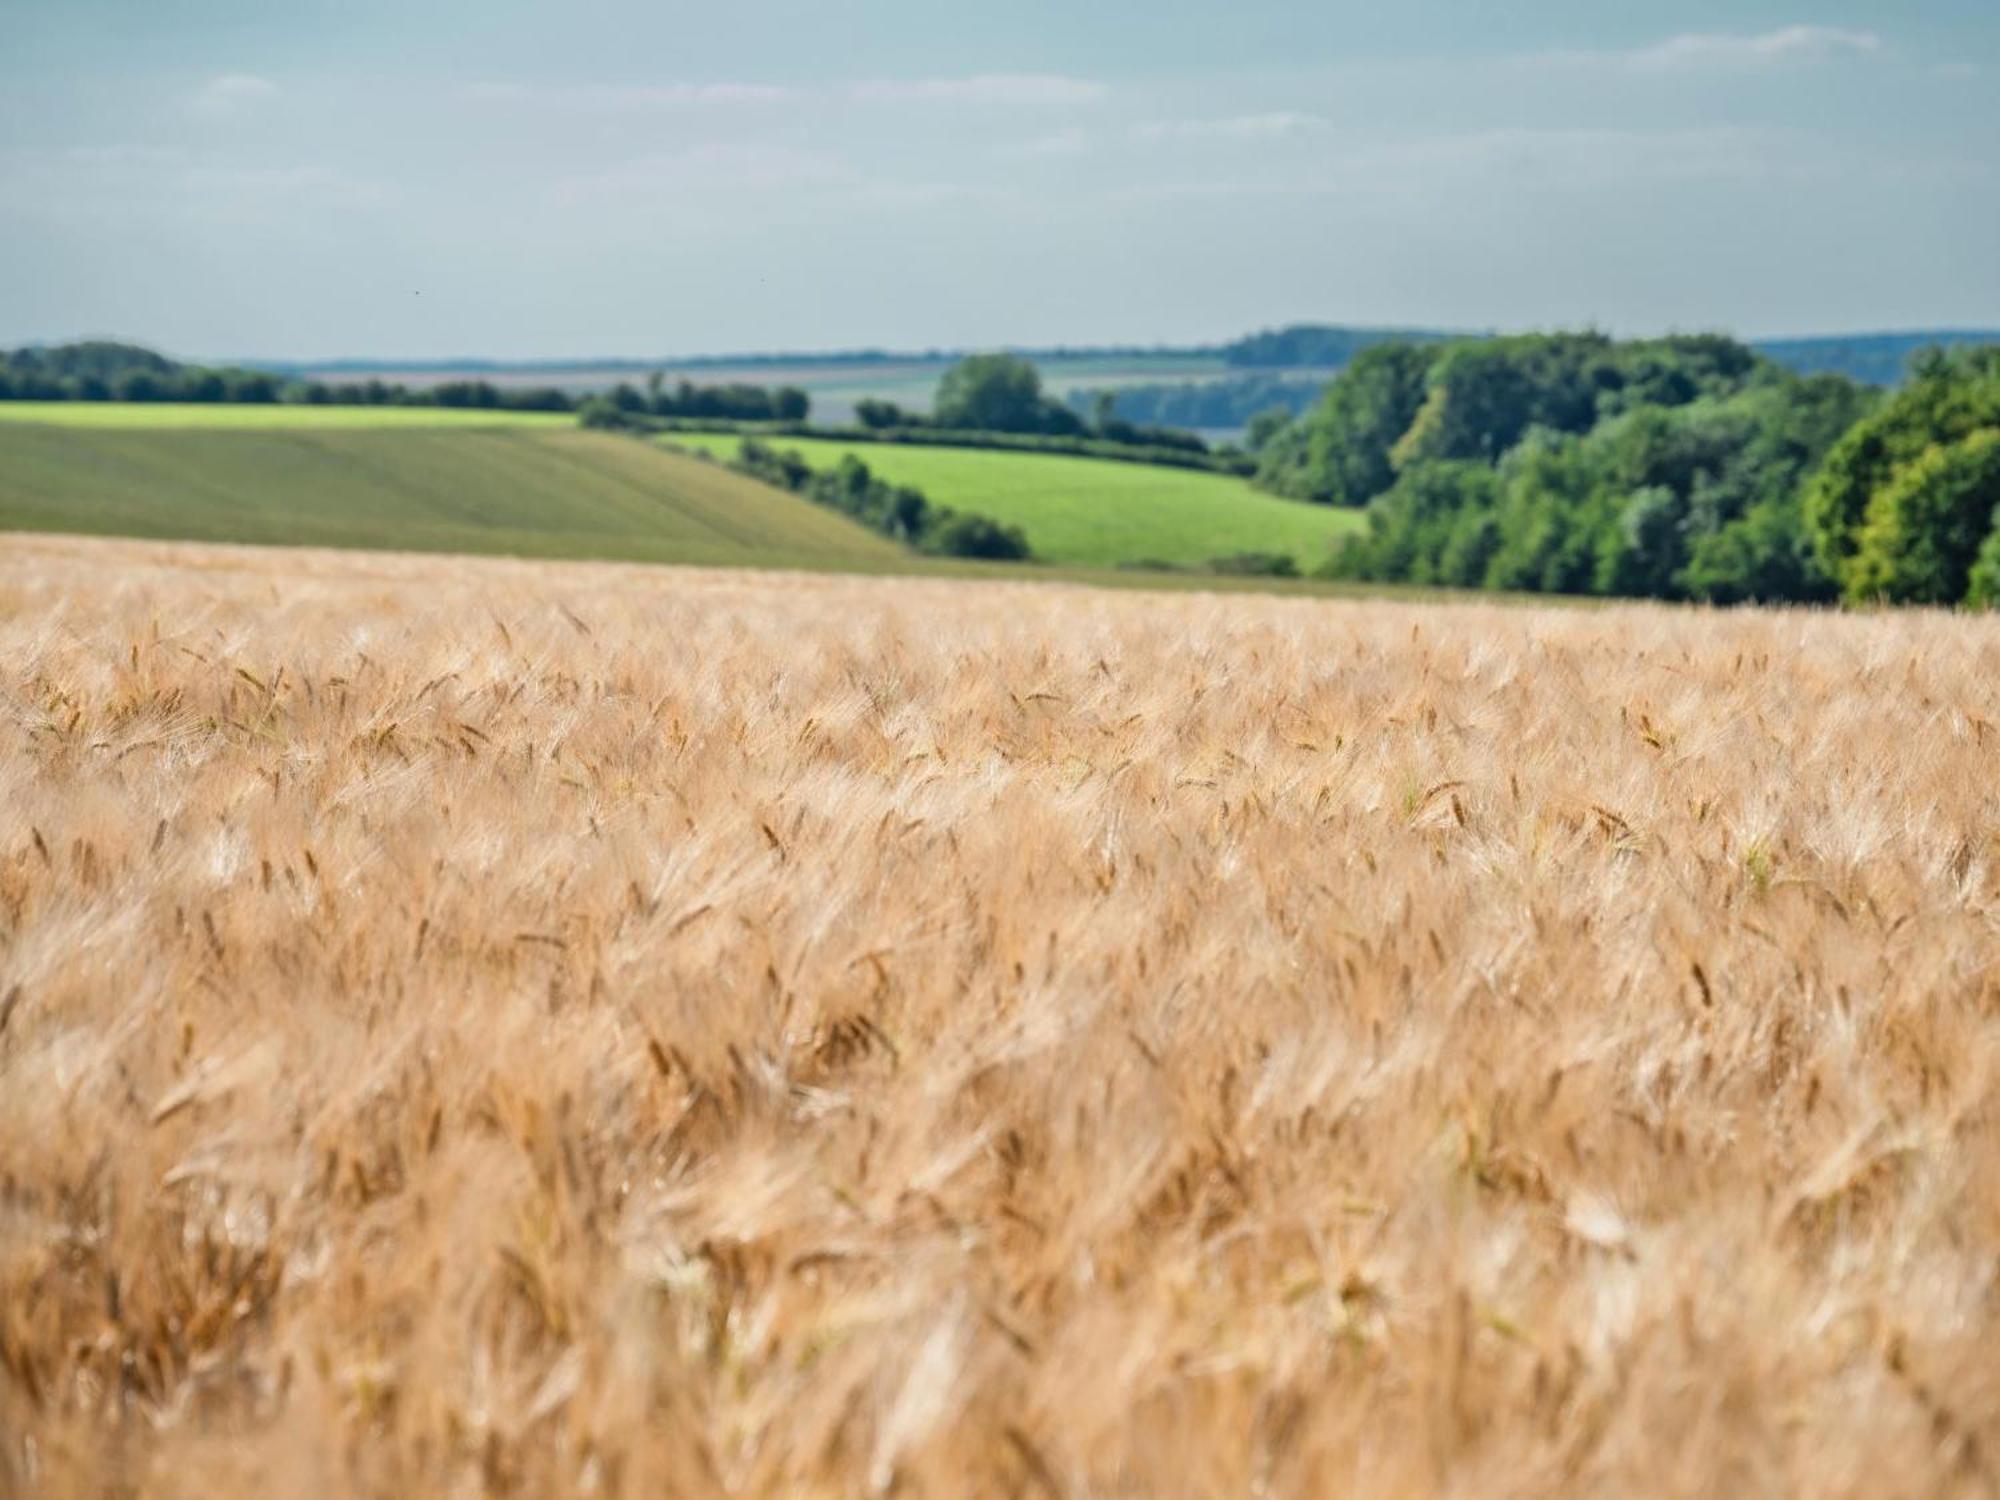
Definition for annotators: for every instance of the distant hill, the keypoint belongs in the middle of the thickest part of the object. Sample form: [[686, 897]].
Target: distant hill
[[1297, 354], [1872, 358], [1317, 346]]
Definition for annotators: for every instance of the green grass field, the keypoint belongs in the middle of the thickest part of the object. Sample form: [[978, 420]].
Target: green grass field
[[1091, 512], [529, 492], [224, 417]]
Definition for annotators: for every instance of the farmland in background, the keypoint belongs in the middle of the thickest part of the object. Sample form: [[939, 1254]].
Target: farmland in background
[[502, 484], [1091, 512], [477, 1027], [834, 384]]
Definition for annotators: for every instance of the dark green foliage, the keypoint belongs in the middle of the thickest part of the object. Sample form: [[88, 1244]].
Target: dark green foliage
[[1264, 427], [1255, 565], [1000, 393], [896, 511], [725, 403], [1340, 453], [1983, 591], [1571, 464], [1929, 525], [1113, 429], [961, 535], [874, 414], [922, 435], [1951, 398]]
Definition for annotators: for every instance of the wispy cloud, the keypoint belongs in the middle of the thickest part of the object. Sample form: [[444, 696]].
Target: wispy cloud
[[232, 93], [1268, 126], [1786, 46], [1014, 89]]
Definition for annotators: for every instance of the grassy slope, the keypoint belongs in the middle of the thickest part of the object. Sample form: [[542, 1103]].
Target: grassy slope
[[174, 414], [1093, 512], [532, 493]]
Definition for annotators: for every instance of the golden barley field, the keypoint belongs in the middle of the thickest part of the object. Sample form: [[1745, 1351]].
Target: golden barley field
[[481, 1028]]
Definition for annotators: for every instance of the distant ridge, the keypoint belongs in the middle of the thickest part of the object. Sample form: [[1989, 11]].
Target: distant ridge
[[1874, 358]]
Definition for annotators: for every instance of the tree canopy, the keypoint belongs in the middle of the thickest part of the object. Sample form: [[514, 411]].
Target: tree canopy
[[1921, 463], [999, 393], [1667, 468]]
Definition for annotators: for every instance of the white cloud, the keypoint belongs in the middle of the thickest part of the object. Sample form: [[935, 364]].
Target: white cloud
[[1023, 89], [1268, 126], [231, 93], [1734, 51]]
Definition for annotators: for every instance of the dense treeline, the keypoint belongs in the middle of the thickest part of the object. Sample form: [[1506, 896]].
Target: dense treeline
[[100, 370], [723, 403], [1681, 468], [107, 371], [895, 510], [1907, 505]]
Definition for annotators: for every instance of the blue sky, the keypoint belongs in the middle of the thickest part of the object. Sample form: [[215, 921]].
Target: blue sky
[[317, 178]]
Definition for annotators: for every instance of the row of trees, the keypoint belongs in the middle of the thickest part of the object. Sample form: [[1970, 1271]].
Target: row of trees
[[1003, 393], [895, 510], [104, 371], [720, 403], [101, 370], [1685, 468]]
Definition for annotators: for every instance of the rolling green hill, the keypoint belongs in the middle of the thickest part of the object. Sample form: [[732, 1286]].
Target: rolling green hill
[[1089, 512], [503, 486]]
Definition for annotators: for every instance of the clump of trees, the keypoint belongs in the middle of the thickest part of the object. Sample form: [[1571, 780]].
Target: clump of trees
[[1685, 468], [102, 370], [1681, 468], [1904, 509], [721, 403], [998, 400], [1000, 393], [895, 510]]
